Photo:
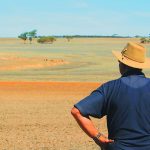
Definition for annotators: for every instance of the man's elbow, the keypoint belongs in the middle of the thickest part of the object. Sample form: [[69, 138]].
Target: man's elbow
[[75, 112]]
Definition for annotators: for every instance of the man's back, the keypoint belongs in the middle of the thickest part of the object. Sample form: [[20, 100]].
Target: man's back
[[125, 102], [128, 112]]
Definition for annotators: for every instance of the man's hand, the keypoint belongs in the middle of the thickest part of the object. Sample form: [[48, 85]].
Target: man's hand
[[102, 141], [88, 127]]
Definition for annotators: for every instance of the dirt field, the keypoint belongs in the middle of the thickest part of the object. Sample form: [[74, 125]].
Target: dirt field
[[36, 116]]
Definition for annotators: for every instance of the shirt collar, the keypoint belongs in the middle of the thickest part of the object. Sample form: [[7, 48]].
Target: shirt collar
[[133, 72]]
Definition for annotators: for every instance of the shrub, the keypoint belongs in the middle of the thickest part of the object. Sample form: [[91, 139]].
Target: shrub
[[143, 40], [46, 39]]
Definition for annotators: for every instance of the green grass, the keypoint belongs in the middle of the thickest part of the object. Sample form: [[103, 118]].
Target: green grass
[[90, 59]]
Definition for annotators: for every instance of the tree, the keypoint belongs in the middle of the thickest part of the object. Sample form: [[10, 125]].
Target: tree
[[115, 35], [23, 36], [32, 34], [143, 40], [30, 39], [68, 38], [148, 40], [137, 36]]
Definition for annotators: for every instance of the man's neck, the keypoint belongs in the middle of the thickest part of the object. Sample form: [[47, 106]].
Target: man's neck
[[133, 72]]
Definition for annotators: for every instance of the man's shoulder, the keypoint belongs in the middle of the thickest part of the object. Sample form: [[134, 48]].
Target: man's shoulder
[[119, 80], [112, 82], [129, 80], [109, 84]]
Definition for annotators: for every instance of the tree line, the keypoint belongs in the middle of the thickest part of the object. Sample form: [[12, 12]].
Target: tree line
[[50, 39], [40, 39]]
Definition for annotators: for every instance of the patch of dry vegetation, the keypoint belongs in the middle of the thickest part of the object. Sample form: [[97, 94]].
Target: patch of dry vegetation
[[20, 63]]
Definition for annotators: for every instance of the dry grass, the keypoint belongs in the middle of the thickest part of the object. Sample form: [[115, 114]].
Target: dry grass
[[90, 59], [9, 63]]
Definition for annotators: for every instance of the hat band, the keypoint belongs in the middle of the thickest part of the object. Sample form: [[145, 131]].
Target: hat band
[[131, 58]]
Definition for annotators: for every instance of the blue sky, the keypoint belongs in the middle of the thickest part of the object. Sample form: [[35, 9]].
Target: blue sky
[[85, 17]]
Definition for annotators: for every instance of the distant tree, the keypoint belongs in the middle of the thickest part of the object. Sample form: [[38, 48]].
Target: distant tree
[[137, 36], [68, 38], [32, 34], [114, 35], [23, 36], [148, 40], [30, 39], [143, 40], [46, 39]]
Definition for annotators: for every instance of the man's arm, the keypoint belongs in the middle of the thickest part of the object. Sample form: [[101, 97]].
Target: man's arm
[[88, 127]]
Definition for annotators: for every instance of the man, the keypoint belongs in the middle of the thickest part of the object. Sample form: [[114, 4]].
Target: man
[[125, 102]]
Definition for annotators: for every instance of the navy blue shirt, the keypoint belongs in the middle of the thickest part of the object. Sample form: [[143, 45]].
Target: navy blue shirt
[[126, 103]]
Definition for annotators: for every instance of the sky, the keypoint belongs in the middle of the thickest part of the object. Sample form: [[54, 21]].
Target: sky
[[75, 17]]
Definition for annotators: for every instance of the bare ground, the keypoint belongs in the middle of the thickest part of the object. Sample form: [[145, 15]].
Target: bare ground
[[36, 116]]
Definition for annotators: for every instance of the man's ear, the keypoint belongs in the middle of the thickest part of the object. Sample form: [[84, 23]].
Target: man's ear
[[122, 68]]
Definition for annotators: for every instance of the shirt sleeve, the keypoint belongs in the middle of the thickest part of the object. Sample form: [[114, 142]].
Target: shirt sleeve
[[93, 105]]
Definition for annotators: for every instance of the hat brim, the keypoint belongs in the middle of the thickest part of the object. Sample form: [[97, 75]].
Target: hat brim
[[130, 62]]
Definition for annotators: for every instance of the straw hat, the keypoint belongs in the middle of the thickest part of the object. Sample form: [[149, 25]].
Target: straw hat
[[133, 55]]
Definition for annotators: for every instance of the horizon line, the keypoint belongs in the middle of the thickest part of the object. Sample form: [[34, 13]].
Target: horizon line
[[90, 35]]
